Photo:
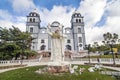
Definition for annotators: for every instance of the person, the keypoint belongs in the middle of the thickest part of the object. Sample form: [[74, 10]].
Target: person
[[57, 45], [116, 55], [98, 60]]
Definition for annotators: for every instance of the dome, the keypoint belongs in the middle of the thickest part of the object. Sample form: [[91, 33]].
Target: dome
[[34, 13], [76, 14], [55, 24], [67, 28]]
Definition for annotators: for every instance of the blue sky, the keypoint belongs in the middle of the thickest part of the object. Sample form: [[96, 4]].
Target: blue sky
[[49, 3], [7, 4], [100, 16]]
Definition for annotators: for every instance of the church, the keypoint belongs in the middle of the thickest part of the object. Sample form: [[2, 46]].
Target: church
[[74, 42]]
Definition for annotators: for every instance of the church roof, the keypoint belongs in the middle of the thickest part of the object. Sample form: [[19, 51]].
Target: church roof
[[76, 13], [67, 28], [55, 24], [34, 12]]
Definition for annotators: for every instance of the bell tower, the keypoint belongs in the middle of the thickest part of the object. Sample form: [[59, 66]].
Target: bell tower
[[78, 32], [33, 26]]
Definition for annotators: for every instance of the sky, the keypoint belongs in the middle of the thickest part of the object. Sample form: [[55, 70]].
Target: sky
[[100, 16]]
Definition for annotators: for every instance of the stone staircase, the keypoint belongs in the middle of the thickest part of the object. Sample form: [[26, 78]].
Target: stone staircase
[[45, 59]]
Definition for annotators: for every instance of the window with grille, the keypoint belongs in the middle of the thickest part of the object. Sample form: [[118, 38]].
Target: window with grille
[[33, 19], [76, 20], [80, 20], [80, 39], [68, 41], [79, 30], [42, 41], [30, 19], [31, 29]]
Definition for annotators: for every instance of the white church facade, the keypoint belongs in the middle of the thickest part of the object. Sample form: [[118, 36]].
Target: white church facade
[[75, 40]]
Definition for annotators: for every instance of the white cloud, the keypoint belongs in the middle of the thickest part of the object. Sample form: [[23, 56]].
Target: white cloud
[[8, 24], [114, 8], [58, 13], [92, 10], [7, 20], [4, 14], [22, 5]]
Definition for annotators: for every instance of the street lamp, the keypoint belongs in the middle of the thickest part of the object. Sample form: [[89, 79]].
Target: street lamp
[[111, 47], [88, 48], [98, 49]]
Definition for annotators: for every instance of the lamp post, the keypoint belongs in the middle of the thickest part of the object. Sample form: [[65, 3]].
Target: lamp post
[[111, 47], [98, 49], [88, 48]]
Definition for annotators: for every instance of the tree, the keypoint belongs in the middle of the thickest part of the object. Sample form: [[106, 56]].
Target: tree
[[108, 38], [14, 43]]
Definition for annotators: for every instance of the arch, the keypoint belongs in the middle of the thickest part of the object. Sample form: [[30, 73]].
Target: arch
[[42, 41], [34, 14], [33, 19], [80, 20], [80, 45], [42, 47], [30, 19], [68, 47], [55, 24], [79, 30], [76, 20], [68, 41]]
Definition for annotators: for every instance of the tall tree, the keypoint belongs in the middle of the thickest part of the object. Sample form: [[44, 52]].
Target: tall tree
[[14, 43], [110, 38]]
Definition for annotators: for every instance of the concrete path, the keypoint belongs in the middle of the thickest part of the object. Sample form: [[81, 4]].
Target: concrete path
[[4, 70], [113, 68], [29, 64], [45, 63]]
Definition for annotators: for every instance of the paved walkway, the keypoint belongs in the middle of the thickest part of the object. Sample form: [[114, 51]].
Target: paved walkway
[[4, 70], [113, 68], [45, 63]]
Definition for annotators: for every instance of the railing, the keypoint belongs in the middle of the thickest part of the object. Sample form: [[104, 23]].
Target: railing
[[15, 62], [95, 60], [80, 60]]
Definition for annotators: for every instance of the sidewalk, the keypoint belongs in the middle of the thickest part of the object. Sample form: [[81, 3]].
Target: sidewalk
[[113, 68], [4, 70], [29, 64]]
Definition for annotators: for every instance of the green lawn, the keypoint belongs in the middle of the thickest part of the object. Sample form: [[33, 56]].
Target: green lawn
[[29, 74], [104, 56]]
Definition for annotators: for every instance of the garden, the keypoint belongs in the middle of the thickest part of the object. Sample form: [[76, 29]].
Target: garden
[[29, 73]]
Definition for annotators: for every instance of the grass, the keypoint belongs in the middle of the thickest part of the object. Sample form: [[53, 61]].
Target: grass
[[28, 73], [104, 56]]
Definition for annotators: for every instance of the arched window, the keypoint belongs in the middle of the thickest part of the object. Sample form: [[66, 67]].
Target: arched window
[[67, 31], [80, 45], [79, 30], [80, 39], [76, 20], [42, 41], [80, 20], [42, 47], [31, 29], [33, 19], [30, 19], [68, 41], [32, 14], [68, 47]]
